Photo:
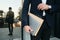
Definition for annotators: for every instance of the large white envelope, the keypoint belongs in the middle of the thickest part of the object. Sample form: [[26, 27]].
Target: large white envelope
[[35, 23]]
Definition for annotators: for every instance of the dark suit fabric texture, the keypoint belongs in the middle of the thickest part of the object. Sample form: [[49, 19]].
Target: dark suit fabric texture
[[49, 18], [57, 25], [57, 21]]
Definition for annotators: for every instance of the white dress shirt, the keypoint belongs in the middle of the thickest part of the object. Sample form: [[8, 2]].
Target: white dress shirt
[[44, 1]]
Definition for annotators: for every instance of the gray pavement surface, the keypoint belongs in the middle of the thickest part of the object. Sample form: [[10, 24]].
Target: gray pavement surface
[[4, 34], [16, 34]]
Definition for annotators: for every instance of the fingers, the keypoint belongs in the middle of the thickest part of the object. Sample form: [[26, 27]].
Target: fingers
[[28, 29], [42, 6], [31, 29]]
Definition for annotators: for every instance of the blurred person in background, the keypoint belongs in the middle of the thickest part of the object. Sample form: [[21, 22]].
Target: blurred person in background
[[10, 20]]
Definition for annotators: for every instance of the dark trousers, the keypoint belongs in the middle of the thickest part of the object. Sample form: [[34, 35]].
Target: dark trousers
[[44, 32], [57, 25], [10, 25]]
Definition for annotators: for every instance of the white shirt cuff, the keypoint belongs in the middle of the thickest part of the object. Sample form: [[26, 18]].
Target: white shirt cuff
[[49, 7]]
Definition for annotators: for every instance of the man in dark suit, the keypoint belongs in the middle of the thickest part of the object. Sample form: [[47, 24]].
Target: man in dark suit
[[10, 19], [37, 7]]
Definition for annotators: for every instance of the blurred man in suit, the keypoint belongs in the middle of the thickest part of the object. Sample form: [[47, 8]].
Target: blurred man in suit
[[41, 8], [10, 19]]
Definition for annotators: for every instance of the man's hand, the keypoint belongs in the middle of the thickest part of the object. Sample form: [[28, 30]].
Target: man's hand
[[27, 29], [43, 6]]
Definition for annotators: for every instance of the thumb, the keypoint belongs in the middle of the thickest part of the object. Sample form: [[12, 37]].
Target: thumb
[[31, 29]]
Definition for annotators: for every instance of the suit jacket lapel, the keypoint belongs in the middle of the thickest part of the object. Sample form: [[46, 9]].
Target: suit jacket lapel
[[47, 2]]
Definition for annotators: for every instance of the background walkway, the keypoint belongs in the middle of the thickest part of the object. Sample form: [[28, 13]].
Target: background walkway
[[16, 34], [4, 34]]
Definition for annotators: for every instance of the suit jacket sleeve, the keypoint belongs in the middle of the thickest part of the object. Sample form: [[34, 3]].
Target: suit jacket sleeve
[[55, 6], [25, 12]]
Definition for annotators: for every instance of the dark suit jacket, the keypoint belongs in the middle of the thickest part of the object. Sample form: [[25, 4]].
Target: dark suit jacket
[[34, 10], [10, 17], [57, 22]]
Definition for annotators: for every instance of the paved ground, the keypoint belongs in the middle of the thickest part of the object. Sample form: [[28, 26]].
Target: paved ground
[[54, 38], [16, 34], [4, 34]]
